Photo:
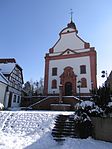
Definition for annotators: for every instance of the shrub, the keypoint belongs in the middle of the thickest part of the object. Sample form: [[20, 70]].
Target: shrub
[[90, 108], [83, 124]]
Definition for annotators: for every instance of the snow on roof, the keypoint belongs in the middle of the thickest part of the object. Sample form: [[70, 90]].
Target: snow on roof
[[7, 68], [3, 79]]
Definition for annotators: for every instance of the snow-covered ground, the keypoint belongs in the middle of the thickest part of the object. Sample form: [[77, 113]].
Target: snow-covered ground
[[32, 130]]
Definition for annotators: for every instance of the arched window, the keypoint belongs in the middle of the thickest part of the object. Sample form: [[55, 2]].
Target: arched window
[[54, 84], [83, 82]]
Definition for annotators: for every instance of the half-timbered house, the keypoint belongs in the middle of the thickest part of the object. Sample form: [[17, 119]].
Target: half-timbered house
[[13, 73]]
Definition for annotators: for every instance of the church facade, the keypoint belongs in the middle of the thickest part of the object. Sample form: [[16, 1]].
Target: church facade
[[70, 65]]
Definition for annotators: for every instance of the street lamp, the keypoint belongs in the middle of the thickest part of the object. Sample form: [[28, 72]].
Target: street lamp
[[79, 86], [104, 74]]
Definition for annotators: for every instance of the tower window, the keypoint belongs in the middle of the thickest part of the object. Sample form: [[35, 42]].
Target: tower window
[[83, 82], [54, 71], [82, 69], [54, 84]]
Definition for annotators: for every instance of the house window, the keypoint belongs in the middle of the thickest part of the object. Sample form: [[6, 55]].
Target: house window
[[13, 83], [82, 69], [54, 84], [83, 82], [17, 71], [54, 71], [18, 100], [19, 86], [14, 99]]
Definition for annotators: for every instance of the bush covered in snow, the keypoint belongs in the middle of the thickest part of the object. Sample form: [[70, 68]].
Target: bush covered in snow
[[108, 108], [1, 106], [83, 124], [89, 108]]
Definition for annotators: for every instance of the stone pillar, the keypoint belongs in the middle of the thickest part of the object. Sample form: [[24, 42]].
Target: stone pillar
[[60, 93]]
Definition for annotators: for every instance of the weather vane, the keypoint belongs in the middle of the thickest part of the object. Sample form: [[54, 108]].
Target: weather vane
[[71, 14]]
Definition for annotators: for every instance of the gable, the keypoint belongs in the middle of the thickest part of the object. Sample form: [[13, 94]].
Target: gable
[[68, 51], [17, 74], [69, 41]]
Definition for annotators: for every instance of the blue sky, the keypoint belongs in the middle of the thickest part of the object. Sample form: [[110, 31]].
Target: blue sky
[[28, 28]]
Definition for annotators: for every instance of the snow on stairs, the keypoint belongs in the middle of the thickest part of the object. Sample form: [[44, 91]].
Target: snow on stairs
[[64, 127]]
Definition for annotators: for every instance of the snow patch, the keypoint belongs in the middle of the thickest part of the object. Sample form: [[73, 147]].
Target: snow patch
[[32, 130]]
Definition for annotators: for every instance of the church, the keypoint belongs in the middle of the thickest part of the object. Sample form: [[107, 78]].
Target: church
[[70, 64]]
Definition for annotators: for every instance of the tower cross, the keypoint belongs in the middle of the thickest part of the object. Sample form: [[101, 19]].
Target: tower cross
[[71, 14]]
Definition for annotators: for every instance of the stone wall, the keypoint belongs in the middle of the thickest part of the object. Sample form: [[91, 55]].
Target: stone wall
[[45, 104], [102, 128], [27, 101]]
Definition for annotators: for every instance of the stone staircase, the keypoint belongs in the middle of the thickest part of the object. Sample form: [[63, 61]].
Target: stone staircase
[[45, 104], [64, 127]]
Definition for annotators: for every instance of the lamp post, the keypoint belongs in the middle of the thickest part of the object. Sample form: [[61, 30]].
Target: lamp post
[[79, 86]]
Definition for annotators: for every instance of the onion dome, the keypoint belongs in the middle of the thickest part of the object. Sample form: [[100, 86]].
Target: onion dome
[[72, 25]]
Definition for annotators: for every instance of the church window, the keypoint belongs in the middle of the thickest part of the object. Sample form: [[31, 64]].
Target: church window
[[83, 69], [83, 82], [54, 71], [68, 52], [54, 84]]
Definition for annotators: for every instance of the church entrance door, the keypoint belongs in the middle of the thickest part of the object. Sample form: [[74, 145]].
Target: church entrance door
[[68, 89]]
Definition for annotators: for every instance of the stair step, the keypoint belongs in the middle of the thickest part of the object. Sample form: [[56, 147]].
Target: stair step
[[63, 121], [64, 127], [59, 139]]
